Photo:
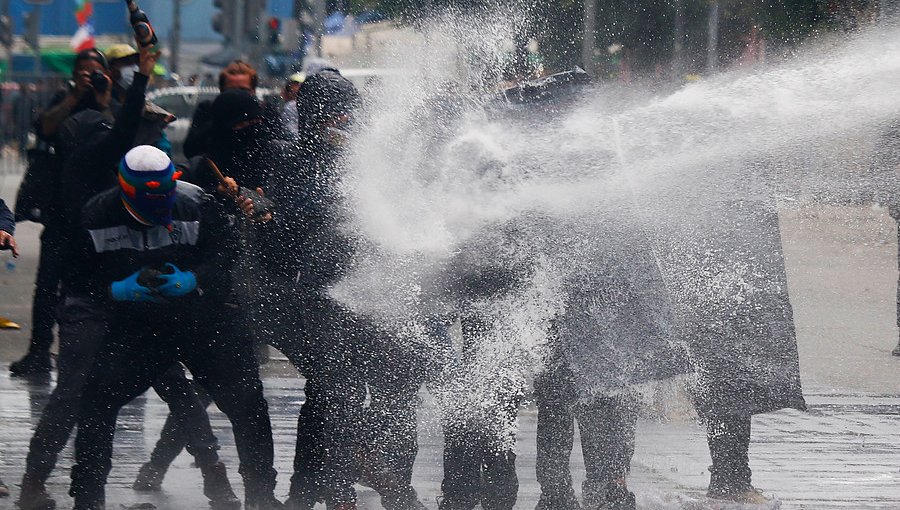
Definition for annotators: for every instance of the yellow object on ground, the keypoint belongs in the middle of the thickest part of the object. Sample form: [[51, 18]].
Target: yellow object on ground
[[8, 324]]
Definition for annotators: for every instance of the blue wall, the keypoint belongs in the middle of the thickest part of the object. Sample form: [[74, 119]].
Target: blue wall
[[110, 17]]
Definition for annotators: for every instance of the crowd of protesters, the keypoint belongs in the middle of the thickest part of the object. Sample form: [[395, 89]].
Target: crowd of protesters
[[150, 267]]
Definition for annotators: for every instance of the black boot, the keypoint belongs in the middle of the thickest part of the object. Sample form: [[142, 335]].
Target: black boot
[[94, 505], [402, 499], [217, 488], [264, 502], [33, 363], [613, 496], [150, 478], [34, 496], [558, 502]]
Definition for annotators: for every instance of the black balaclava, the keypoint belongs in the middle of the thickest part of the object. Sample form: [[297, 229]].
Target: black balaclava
[[236, 151], [323, 97]]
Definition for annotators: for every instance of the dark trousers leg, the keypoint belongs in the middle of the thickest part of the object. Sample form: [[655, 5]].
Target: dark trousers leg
[[46, 291], [325, 459], [126, 366], [555, 397], [729, 446], [221, 356], [501, 483], [391, 444], [82, 330], [188, 412], [172, 439], [607, 440], [326, 463], [463, 454]]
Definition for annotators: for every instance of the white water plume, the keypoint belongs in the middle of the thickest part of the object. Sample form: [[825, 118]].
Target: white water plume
[[433, 177]]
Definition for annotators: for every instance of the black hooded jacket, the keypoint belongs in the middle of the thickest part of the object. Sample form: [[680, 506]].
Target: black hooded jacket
[[306, 241]]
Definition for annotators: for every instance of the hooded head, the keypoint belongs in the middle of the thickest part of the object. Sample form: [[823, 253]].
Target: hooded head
[[326, 102], [147, 181], [235, 109], [239, 137]]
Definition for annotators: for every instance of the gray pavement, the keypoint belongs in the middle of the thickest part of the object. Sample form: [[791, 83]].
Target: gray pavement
[[843, 454]]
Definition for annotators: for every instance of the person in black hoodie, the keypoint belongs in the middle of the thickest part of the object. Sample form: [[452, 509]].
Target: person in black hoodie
[[89, 144], [304, 251], [39, 200], [164, 258]]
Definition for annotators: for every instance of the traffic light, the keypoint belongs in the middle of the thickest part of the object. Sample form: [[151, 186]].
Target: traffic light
[[32, 33], [274, 26], [223, 21], [6, 33]]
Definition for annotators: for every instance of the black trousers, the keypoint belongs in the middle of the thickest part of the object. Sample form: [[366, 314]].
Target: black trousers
[[729, 446], [607, 436], [479, 462], [46, 290], [389, 440], [325, 342], [172, 438], [83, 328], [134, 356]]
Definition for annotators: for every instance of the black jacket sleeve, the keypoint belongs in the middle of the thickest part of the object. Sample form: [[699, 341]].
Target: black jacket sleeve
[[111, 148], [197, 141], [7, 220], [219, 247], [92, 152]]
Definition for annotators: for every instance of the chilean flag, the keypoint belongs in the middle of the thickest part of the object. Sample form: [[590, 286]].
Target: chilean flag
[[83, 38]]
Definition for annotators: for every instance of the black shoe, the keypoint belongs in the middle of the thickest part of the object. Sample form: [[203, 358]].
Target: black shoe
[[218, 489], [748, 496], [299, 503], [34, 497], [4, 490], [615, 496], [150, 478], [445, 503], [550, 502], [89, 506], [896, 351], [404, 499], [31, 364], [268, 502]]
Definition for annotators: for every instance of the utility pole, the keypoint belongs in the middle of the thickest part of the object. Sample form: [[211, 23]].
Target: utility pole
[[678, 47], [32, 36], [589, 43], [319, 14], [238, 27], [712, 41], [175, 37]]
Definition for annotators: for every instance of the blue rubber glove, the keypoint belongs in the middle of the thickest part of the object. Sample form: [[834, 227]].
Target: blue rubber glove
[[177, 283], [130, 290]]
